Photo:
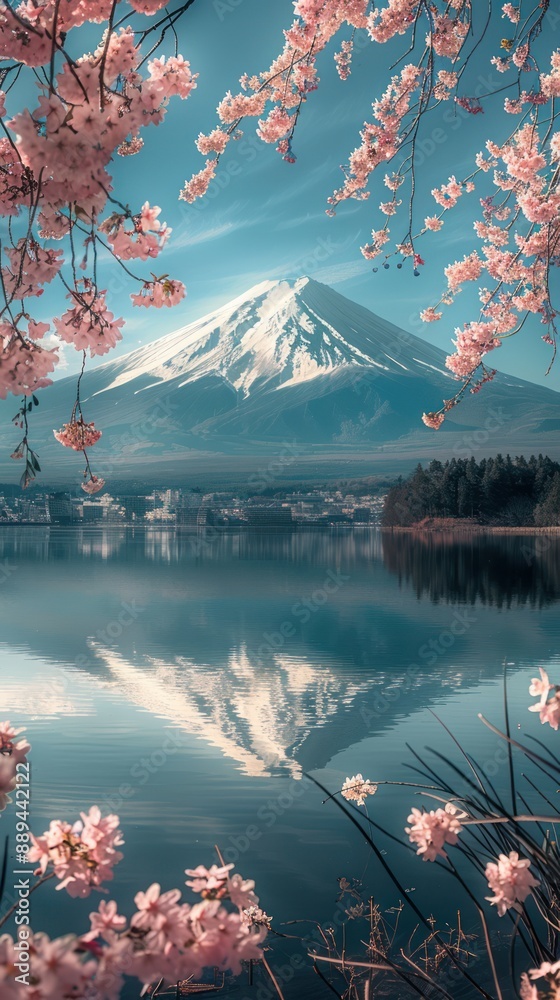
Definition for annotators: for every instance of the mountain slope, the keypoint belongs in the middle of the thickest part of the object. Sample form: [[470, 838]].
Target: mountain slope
[[288, 361]]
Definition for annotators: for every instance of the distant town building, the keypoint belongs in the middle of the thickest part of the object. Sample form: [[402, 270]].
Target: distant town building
[[270, 516], [93, 511], [136, 508], [60, 508], [362, 515]]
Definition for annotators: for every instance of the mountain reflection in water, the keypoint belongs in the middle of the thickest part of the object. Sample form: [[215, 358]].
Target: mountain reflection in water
[[234, 639]]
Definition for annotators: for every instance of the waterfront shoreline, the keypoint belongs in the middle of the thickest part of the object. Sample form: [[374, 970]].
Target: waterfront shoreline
[[471, 529]]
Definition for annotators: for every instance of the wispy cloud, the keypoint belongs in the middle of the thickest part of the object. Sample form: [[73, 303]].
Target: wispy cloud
[[193, 237], [335, 274]]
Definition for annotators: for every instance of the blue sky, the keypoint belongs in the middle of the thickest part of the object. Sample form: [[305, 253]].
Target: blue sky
[[263, 218]]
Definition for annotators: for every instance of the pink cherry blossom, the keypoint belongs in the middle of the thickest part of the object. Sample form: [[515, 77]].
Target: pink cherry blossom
[[275, 126], [343, 60], [12, 753], [540, 687], [88, 324], [527, 990], [174, 75], [378, 240], [433, 420], [105, 920], [468, 269], [389, 207], [511, 882], [513, 13], [431, 830], [448, 194], [430, 315], [81, 855], [77, 435], [24, 364], [160, 292], [210, 883], [240, 892], [549, 711], [549, 969], [199, 183], [215, 142], [30, 267], [153, 906], [257, 917], [93, 485], [357, 789], [55, 176]]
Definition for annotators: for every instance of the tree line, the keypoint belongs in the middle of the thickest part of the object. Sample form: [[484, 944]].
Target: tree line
[[495, 491]]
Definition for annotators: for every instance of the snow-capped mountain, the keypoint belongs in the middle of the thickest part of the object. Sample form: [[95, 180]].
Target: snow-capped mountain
[[289, 361]]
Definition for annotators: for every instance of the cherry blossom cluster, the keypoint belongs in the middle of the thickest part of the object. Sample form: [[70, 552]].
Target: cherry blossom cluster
[[520, 234], [432, 830], [165, 937], [88, 324], [519, 229], [357, 788], [548, 708], [25, 364], [511, 882], [12, 753], [380, 142], [77, 435], [93, 485], [136, 237], [80, 855], [160, 292], [276, 96], [55, 176], [30, 267], [550, 971]]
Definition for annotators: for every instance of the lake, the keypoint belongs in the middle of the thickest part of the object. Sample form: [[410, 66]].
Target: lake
[[191, 682]]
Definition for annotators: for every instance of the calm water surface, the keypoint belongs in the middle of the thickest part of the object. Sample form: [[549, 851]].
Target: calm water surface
[[191, 683]]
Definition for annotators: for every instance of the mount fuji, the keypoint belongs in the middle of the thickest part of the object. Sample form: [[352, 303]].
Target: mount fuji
[[290, 362]]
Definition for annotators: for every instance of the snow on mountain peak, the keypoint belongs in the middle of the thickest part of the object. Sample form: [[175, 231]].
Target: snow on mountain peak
[[278, 333], [289, 360]]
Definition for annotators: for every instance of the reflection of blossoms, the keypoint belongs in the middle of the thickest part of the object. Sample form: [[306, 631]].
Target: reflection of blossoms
[[357, 789], [431, 830], [511, 882]]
